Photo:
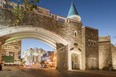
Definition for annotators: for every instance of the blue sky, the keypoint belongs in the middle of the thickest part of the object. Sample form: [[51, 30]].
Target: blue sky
[[100, 14], [34, 43]]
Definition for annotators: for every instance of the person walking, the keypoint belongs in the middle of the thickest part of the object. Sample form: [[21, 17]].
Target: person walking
[[0, 66]]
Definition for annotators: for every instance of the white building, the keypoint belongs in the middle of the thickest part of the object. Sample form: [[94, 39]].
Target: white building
[[33, 56]]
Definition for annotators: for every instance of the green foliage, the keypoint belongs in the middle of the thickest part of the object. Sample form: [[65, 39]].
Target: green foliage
[[20, 11], [27, 7], [18, 14], [30, 5], [8, 58]]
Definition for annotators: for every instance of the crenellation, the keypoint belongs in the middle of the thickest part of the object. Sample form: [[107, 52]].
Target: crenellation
[[104, 39]]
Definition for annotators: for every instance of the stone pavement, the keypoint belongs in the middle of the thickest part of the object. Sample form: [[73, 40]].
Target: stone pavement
[[13, 71], [95, 72], [46, 72], [14, 74]]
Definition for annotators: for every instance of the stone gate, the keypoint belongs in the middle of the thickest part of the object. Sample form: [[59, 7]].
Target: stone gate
[[76, 46]]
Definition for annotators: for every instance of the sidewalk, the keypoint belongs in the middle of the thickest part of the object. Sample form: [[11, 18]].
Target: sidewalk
[[13, 71], [14, 74], [96, 72]]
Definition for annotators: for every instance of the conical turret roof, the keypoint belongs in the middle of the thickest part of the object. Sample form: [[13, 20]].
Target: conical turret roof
[[72, 10]]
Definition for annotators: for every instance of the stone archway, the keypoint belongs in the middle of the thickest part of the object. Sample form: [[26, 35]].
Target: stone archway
[[17, 33], [75, 60], [54, 40]]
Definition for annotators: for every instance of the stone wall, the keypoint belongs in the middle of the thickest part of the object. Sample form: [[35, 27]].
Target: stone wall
[[104, 52], [72, 33], [90, 47], [113, 50], [83, 49], [62, 57], [0, 52]]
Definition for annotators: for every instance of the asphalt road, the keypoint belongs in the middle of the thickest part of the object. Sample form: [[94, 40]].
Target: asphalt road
[[55, 73]]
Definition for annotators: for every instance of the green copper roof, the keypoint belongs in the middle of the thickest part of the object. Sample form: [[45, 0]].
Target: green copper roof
[[72, 10]]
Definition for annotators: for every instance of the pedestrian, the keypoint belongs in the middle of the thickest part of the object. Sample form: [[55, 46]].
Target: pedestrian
[[0, 66]]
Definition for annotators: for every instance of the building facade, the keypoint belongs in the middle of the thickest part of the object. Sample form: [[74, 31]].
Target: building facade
[[33, 56], [12, 49]]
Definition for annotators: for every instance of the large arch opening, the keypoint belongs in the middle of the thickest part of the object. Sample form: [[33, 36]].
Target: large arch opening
[[38, 54], [32, 52], [15, 34]]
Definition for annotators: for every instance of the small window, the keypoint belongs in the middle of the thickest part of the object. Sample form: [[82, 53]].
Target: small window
[[75, 33], [94, 42], [89, 42], [61, 20]]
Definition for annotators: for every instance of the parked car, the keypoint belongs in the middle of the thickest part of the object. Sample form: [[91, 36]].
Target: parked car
[[45, 66]]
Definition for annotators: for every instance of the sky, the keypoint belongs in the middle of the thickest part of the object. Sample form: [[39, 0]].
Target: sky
[[99, 14], [34, 43]]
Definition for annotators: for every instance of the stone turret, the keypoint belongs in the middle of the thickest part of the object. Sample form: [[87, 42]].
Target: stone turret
[[74, 26], [72, 32], [73, 13]]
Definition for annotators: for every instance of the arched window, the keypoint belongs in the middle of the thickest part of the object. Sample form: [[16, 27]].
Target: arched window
[[75, 44], [89, 42], [75, 33], [94, 42]]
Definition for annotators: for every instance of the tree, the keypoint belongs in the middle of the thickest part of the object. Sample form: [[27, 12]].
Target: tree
[[23, 8], [27, 7]]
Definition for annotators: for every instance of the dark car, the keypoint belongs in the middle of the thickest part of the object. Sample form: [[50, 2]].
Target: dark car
[[45, 66]]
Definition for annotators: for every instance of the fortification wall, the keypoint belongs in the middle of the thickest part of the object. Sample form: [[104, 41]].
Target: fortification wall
[[104, 52], [113, 50], [90, 46]]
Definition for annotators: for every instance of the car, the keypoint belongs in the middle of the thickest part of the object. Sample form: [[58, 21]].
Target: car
[[45, 66]]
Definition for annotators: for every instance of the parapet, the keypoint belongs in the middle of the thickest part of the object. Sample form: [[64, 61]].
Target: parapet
[[89, 27], [104, 39]]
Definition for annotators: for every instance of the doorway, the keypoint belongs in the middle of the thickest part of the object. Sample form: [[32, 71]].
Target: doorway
[[75, 61]]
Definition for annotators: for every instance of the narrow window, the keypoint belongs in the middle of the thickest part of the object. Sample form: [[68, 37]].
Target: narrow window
[[75, 33], [94, 42], [89, 42]]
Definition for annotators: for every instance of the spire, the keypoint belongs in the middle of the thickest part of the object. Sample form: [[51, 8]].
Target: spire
[[72, 10], [73, 13]]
